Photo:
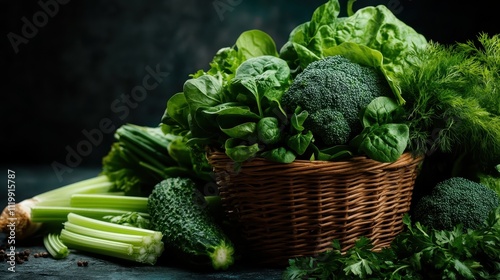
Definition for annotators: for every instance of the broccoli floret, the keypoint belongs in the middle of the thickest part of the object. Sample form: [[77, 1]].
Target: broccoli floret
[[456, 201], [336, 127], [338, 88]]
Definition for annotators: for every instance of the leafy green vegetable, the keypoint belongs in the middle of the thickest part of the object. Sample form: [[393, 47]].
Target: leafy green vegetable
[[235, 105], [280, 154], [374, 27], [143, 156], [255, 43], [416, 253], [453, 101], [58, 197], [263, 77], [227, 107], [269, 131], [250, 43], [110, 201], [385, 134]]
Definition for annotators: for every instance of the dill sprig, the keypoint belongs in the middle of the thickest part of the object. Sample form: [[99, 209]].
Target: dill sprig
[[453, 99]]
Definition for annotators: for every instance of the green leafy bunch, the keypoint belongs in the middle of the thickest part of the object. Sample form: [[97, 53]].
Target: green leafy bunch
[[453, 100], [416, 253], [235, 105]]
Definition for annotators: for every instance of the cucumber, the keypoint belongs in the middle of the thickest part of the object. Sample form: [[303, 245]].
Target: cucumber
[[180, 212]]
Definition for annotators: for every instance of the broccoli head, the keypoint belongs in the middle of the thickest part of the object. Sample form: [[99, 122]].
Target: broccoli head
[[456, 201], [333, 90]]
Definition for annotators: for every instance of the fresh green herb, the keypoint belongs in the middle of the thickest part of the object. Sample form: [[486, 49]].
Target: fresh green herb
[[54, 246], [492, 181], [453, 102], [416, 253], [104, 238]]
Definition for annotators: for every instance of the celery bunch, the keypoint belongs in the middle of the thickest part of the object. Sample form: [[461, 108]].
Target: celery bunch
[[105, 238]]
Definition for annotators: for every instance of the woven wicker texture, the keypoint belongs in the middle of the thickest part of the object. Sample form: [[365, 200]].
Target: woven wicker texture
[[297, 209]]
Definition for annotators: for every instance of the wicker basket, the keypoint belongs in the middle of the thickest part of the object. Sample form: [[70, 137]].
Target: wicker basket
[[291, 210]]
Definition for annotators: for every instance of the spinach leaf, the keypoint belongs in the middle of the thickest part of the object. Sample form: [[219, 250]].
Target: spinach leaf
[[243, 130], [280, 155], [177, 110], [300, 142], [298, 118], [337, 152], [261, 77], [380, 111], [384, 136], [240, 151], [254, 43], [204, 91], [269, 130], [384, 143]]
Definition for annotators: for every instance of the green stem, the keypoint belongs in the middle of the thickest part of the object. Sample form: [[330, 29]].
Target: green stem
[[105, 238], [54, 246], [350, 11], [98, 246], [136, 240], [98, 184], [125, 203], [111, 227], [42, 214]]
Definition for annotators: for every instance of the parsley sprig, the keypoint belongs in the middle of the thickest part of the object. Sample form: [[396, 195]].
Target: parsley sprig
[[416, 253]]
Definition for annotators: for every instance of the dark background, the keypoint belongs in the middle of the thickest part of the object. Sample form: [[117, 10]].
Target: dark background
[[64, 79]]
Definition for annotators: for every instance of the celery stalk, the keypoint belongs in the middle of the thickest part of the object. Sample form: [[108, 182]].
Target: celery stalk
[[98, 184], [126, 203], [97, 245], [54, 246], [44, 214], [100, 237], [111, 227], [60, 197], [137, 240]]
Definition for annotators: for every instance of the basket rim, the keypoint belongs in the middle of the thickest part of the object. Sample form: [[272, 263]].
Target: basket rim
[[405, 158]]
